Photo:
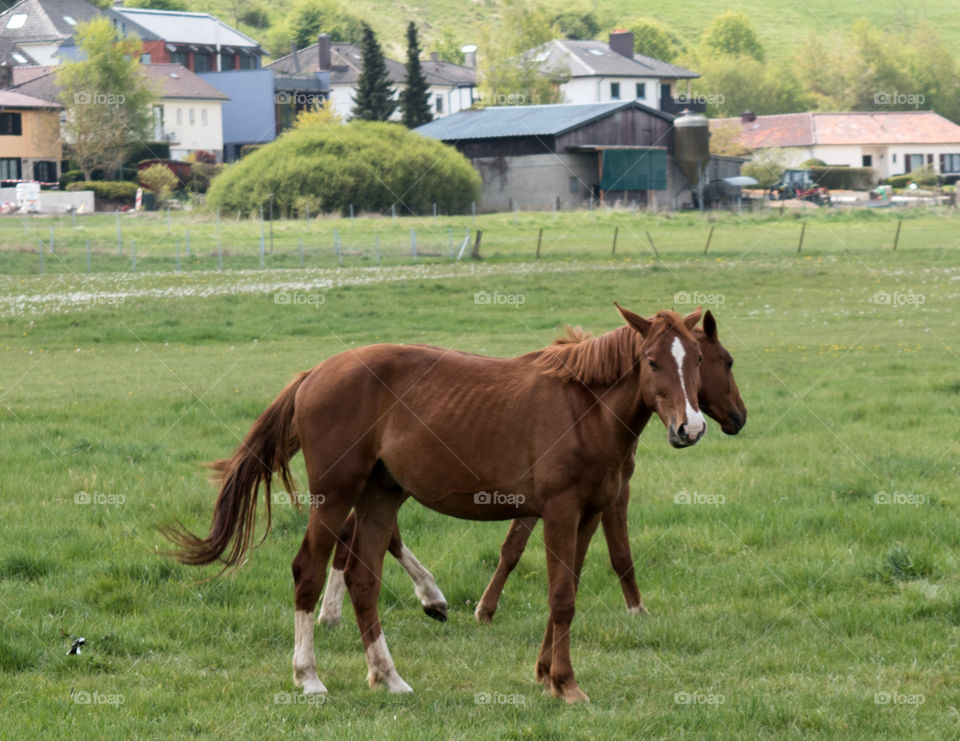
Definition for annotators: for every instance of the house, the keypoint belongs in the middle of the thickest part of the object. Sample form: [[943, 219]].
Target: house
[[566, 155], [451, 86], [37, 28], [187, 115], [198, 41], [597, 72], [891, 142], [30, 145]]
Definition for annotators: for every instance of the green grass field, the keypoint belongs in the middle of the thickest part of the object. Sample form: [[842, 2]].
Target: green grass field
[[817, 596]]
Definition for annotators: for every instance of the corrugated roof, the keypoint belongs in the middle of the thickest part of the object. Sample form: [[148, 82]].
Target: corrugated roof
[[184, 28], [525, 120], [597, 59], [855, 128]]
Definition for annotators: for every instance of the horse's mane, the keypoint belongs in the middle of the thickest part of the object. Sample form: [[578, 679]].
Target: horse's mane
[[577, 356]]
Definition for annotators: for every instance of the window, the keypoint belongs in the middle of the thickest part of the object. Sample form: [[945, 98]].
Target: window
[[249, 63], [10, 124], [641, 90], [930, 160], [226, 61], [868, 160], [914, 162], [10, 168], [438, 103], [203, 116], [17, 20], [893, 158], [615, 90], [191, 117], [179, 116], [950, 163], [158, 123], [45, 172], [201, 62], [180, 57], [70, 19], [145, 58]]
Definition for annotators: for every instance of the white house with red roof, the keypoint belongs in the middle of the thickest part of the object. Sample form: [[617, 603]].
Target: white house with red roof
[[891, 142]]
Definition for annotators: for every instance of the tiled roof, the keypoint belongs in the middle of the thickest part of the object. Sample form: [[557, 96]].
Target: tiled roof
[[46, 20], [597, 59], [525, 120], [808, 129], [14, 99], [346, 64]]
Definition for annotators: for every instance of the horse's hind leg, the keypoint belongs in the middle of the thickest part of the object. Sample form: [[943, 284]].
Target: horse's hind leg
[[618, 544], [510, 553], [331, 608], [376, 517], [424, 585]]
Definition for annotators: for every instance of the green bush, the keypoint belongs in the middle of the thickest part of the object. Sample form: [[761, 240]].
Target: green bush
[[69, 176], [813, 162], [844, 178], [109, 190], [160, 179], [925, 176], [326, 167]]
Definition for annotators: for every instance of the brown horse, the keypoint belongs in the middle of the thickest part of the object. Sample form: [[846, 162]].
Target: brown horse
[[719, 398], [551, 428]]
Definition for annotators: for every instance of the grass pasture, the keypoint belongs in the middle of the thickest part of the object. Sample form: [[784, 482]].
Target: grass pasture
[[809, 589]]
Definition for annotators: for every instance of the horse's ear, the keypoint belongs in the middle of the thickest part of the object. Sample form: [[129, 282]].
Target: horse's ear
[[710, 326], [634, 320], [692, 318]]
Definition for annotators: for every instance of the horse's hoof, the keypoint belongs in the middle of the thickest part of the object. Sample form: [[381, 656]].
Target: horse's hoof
[[570, 693], [437, 612], [638, 610], [483, 615]]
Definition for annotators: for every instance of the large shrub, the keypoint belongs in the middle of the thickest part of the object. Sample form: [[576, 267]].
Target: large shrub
[[326, 167], [925, 176], [110, 190], [160, 179], [844, 178]]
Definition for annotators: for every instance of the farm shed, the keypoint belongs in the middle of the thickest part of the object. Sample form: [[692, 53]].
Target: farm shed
[[546, 156]]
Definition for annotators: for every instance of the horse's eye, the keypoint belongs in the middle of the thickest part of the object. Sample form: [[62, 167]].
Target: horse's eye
[[729, 364], [699, 359], [653, 366]]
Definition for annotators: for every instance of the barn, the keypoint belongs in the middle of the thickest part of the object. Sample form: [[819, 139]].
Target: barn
[[562, 156]]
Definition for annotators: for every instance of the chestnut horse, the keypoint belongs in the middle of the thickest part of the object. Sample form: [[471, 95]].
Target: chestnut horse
[[719, 398], [552, 428]]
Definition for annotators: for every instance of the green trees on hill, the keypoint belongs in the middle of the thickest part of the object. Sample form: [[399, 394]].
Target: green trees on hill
[[375, 97]]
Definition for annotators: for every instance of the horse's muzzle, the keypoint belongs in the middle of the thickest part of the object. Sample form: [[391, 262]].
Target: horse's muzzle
[[684, 437]]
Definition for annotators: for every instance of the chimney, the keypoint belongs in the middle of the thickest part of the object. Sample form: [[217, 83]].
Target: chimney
[[323, 51], [748, 117], [296, 59], [470, 56], [621, 42], [6, 76], [434, 56]]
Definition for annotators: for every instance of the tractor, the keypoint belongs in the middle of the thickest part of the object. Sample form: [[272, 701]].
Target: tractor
[[801, 185]]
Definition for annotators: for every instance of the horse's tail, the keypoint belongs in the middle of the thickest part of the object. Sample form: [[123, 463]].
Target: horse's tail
[[267, 449]]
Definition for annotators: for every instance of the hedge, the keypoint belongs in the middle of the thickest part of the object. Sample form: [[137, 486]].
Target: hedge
[[923, 176], [326, 167], [110, 190], [844, 178]]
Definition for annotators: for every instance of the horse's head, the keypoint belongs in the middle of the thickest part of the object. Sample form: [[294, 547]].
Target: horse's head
[[670, 372], [719, 395]]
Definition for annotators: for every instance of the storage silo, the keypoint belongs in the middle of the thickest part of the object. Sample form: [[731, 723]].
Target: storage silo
[[691, 148]]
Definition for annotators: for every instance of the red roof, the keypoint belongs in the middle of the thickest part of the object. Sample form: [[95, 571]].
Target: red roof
[[808, 129]]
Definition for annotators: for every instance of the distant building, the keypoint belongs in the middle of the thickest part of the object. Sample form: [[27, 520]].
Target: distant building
[[599, 72], [30, 145], [891, 142], [36, 29], [451, 86]]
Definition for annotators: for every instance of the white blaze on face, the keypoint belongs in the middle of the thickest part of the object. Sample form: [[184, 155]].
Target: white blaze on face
[[695, 423]]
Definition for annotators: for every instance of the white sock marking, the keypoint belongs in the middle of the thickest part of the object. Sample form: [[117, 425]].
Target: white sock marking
[[304, 661], [382, 670], [424, 584], [695, 421], [331, 609]]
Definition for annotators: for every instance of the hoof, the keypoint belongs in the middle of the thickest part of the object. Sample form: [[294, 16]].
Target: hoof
[[313, 687], [437, 611], [569, 693], [638, 610], [392, 682], [483, 615]]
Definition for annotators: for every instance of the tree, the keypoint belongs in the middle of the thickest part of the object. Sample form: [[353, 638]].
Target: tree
[[309, 18], [730, 85], [106, 96], [577, 24], [731, 33], [415, 98], [163, 4], [652, 39], [375, 98]]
